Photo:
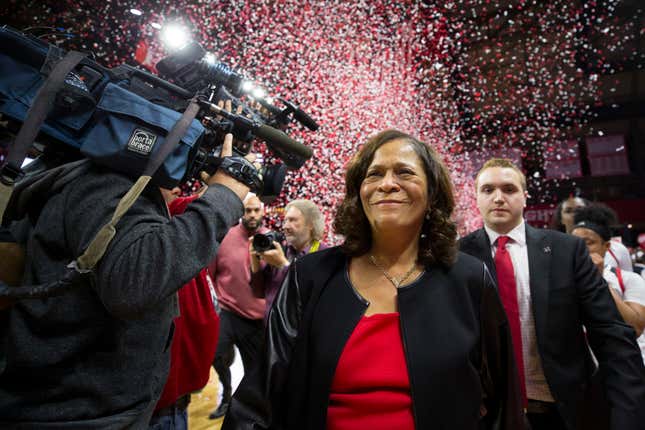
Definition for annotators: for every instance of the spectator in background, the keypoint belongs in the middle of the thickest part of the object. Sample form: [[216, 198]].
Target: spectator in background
[[592, 224], [563, 215], [617, 255], [303, 229], [194, 339], [241, 316]]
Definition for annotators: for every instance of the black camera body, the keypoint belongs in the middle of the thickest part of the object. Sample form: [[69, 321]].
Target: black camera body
[[264, 241]]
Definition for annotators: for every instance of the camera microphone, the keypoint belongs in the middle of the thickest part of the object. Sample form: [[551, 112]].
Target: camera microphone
[[301, 116], [279, 140]]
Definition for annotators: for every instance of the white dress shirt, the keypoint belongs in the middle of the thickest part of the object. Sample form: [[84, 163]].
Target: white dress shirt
[[536, 385]]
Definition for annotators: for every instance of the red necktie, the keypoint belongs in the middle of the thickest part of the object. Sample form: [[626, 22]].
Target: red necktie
[[508, 293]]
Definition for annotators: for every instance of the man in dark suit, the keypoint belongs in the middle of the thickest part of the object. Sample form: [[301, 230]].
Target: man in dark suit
[[550, 290]]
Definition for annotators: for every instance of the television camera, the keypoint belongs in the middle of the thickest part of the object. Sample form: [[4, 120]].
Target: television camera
[[119, 116], [163, 129]]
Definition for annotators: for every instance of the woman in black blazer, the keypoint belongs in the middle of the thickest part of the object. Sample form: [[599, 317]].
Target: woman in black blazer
[[395, 328]]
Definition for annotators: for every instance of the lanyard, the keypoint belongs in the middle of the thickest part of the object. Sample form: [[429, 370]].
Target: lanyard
[[314, 246]]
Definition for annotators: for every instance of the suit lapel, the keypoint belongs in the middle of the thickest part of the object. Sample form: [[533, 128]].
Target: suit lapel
[[484, 251], [539, 254]]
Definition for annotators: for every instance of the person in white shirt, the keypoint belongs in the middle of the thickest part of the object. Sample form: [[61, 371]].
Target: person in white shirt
[[617, 255], [627, 288]]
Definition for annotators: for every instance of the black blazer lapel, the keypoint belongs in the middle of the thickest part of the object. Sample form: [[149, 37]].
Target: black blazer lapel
[[484, 253], [539, 248]]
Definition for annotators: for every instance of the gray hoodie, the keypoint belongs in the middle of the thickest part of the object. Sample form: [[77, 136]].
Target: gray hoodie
[[97, 356]]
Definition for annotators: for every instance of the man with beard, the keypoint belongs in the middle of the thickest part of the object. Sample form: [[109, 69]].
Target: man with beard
[[303, 230], [241, 315]]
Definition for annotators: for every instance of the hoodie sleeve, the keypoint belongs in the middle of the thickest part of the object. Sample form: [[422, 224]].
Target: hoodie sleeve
[[151, 256]]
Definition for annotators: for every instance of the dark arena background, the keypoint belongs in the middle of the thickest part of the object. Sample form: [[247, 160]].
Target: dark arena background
[[555, 85]]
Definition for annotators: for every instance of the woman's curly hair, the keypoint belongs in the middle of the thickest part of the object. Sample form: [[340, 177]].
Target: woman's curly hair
[[438, 240]]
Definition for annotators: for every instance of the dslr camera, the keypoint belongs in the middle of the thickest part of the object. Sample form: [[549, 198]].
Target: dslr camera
[[264, 241]]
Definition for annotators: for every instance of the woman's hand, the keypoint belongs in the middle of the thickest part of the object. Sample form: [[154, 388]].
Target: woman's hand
[[598, 261]]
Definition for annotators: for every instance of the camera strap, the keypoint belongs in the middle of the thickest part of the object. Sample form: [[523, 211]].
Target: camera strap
[[43, 103], [241, 169], [237, 167], [84, 264], [11, 172], [99, 244]]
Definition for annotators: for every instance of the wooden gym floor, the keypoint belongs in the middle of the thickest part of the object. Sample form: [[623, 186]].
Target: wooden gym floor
[[202, 403]]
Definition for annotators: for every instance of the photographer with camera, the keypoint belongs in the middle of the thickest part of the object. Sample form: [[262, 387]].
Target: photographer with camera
[[97, 356], [241, 315], [303, 229]]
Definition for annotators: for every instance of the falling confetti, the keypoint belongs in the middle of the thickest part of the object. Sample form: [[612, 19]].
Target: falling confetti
[[468, 77]]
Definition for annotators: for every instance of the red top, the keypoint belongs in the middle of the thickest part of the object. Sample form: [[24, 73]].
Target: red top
[[196, 332], [371, 388]]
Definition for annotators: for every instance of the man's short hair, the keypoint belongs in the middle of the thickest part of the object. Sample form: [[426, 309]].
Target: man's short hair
[[312, 215], [249, 196], [504, 163]]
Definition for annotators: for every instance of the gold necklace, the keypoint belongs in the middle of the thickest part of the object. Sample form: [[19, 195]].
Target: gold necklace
[[395, 281]]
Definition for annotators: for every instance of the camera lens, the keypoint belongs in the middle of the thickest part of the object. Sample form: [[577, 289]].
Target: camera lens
[[262, 242]]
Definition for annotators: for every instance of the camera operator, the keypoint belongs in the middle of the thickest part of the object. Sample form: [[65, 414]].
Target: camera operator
[[241, 316], [97, 356], [303, 229]]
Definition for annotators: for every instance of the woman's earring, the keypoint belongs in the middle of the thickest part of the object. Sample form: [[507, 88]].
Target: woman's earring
[[426, 218]]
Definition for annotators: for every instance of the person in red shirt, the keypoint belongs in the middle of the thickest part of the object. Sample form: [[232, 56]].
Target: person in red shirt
[[194, 339], [241, 315]]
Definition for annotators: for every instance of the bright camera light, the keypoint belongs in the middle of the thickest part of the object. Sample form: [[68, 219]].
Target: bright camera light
[[174, 36], [136, 12], [258, 93], [209, 58], [156, 25], [247, 86], [26, 161]]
